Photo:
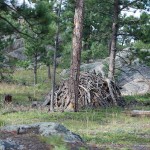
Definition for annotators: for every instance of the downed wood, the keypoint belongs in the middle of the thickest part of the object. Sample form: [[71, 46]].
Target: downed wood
[[94, 91], [140, 113]]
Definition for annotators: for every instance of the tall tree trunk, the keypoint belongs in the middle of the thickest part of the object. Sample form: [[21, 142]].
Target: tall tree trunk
[[76, 54], [49, 71], [113, 41], [35, 69], [54, 59]]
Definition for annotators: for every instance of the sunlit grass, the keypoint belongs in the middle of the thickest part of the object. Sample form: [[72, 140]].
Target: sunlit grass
[[140, 98], [2, 123], [104, 126], [20, 93], [23, 85], [101, 127], [56, 141]]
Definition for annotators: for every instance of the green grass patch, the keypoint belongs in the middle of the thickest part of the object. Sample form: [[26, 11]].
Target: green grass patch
[[139, 98], [139, 102], [117, 138], [2, 123], [97, 126], [22, 85], [103, 126], [55, 141]]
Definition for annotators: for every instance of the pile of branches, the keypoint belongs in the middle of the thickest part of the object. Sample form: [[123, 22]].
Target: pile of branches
[[94, 91]]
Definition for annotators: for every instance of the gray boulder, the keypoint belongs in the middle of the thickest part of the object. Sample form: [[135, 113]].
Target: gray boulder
[[45, 129], [16, 49], [18, 54], [97, 67], [135, 80], [18, 43], [9, 144], [133, 76]]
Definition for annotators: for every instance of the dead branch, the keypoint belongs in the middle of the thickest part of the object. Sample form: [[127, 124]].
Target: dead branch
[[94, 91]]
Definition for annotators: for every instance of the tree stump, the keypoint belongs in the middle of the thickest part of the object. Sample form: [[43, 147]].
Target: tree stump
[[7, 98]]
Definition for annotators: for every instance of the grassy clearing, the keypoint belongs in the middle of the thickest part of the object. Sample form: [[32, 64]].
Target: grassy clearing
[[20, 93], [22, 85], [101, 127]]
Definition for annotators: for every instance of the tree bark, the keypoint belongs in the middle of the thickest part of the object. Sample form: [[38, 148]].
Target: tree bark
[[35, 69], [54, 59], [113, 41], [76, 54], [49, 71]]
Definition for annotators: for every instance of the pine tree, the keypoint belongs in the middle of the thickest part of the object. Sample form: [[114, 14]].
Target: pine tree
[[76, 54], [120, 5]]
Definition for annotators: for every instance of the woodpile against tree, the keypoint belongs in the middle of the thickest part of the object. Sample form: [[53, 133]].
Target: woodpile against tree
[[94, 91]]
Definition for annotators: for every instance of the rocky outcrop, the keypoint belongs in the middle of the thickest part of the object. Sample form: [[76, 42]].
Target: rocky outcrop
[[97, 67], [23, 137], [135, 80], [18, 54], [16, 44], [16, 50], [132, 75], [10, 145], [44, 129]]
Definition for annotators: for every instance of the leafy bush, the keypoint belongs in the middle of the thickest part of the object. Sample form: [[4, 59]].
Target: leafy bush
[[24, 64], [66, 56], [143, 52], [86, 55], [99, 51]]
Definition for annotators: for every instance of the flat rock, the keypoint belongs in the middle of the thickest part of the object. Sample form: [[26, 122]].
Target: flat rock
[[44, 129], [9, 144]]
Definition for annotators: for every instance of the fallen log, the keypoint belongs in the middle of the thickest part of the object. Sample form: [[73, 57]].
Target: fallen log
[[140, 113], [94, 91]]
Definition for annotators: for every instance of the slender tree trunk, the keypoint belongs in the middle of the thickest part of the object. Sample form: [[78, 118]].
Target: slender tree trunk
[[54, 59], [109, 45], [113, 41], [49, 71], [76, 54], [35, 69]]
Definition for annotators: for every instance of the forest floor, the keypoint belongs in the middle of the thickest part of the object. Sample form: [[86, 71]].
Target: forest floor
[[108, 129], [32, 141]]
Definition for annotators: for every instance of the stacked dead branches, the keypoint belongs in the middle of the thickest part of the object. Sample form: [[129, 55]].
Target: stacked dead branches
[[94, 91]]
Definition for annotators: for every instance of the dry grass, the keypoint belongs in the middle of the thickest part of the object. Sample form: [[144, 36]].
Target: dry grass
[[22, 85], [103, 127], [100, 127]]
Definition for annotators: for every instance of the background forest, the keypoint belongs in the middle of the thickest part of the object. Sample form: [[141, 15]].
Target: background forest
[[38, 43]]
